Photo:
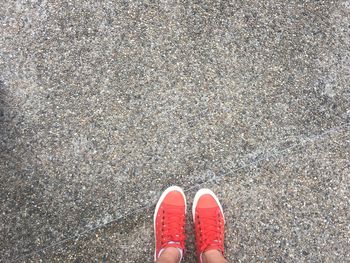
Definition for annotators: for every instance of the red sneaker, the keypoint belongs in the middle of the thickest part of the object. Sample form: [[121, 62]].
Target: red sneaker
[[169, 220], [209, 222]]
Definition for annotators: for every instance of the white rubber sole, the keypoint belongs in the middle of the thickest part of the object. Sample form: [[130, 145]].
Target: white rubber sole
[[168, 190], [198, 195]]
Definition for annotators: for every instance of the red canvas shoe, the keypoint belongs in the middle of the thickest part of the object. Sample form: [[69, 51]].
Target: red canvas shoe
[[209, 222], [169, 221]]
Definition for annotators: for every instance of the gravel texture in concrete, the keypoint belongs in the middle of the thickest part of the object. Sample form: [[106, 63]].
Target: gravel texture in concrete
[[104, 104]]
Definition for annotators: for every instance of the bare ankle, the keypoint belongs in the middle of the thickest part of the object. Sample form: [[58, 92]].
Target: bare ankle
[[213, 256], [169, 255]]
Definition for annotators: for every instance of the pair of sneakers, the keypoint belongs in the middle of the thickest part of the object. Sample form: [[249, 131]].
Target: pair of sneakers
[[169, 222]]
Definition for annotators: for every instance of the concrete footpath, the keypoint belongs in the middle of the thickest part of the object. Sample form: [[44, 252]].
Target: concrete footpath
[[104, 104]]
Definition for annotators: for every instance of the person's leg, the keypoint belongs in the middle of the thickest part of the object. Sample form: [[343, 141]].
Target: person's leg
[[169, 226], [213, 256], [209, 222], [169, 255]]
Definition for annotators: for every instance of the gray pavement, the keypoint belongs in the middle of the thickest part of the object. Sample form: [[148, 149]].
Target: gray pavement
[[104, 104]]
